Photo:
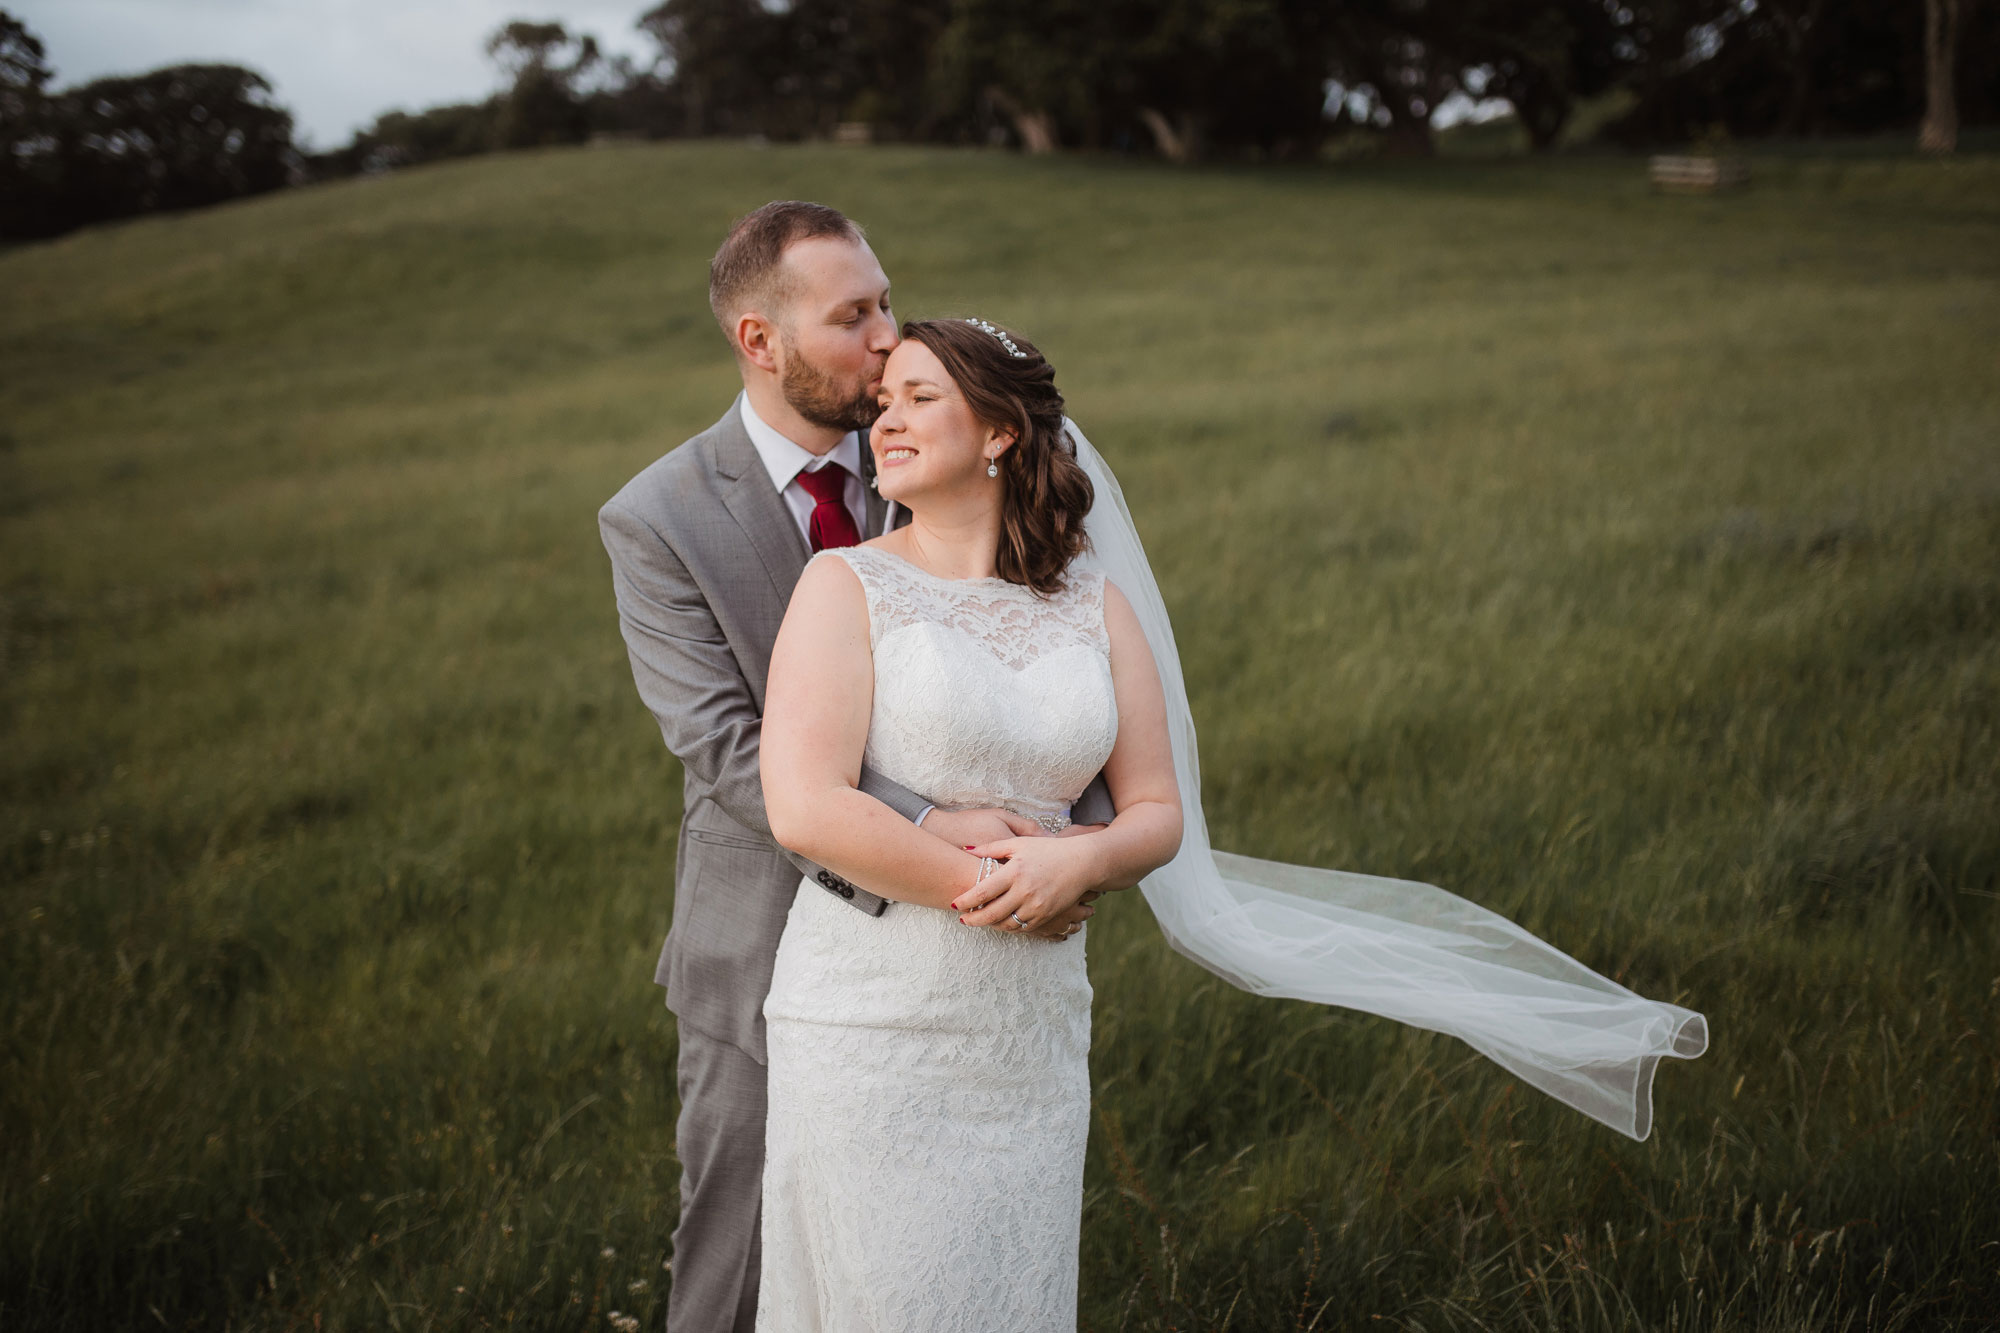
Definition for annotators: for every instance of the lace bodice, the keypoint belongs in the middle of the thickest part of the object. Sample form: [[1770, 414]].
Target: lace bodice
[[986, 693]]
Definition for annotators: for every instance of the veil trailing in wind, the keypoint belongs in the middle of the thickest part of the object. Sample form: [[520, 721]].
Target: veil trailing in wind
[[1400, 949]]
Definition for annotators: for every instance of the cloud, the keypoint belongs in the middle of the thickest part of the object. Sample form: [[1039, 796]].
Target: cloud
[[336, 64]]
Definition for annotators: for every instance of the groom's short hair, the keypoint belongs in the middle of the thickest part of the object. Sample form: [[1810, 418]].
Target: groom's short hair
[[749, 268]]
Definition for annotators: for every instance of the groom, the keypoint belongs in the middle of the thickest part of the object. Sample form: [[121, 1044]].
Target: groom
[[706, 545]]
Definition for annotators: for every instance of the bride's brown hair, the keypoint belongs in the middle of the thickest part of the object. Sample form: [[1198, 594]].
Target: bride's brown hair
[[1045, 494]]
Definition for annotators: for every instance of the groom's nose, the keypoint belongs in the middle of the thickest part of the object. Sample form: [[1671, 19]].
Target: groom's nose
[[883, 337]]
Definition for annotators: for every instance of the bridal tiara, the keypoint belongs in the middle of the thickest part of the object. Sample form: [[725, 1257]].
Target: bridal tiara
[[1005, 341]]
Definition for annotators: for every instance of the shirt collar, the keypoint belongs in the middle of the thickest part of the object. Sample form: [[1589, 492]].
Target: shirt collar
[[784, 460]]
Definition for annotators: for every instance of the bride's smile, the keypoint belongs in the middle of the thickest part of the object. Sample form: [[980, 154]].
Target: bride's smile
[[928, 442]]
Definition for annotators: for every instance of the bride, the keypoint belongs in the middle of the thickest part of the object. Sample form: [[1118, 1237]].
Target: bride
[[929, 1083], [929, 1091]]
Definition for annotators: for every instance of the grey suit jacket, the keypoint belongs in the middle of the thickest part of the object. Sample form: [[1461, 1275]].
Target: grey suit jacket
[[704, 556]]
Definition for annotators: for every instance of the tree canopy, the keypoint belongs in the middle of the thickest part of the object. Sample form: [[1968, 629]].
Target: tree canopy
[[179, 137], [1185, 79]]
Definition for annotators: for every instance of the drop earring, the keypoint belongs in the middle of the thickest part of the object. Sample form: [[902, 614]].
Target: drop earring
[[992, 467]]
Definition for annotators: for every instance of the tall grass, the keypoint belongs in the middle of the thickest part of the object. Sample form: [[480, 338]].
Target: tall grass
[[1628, 564]]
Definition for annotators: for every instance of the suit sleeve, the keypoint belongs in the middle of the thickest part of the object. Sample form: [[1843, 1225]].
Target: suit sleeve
[[688, 675], [1094, 806]]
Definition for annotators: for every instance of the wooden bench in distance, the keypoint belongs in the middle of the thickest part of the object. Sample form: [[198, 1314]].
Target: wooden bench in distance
[[1697, 175]]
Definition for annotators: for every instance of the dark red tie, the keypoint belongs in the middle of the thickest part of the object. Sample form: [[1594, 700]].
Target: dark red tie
[[830, 525]]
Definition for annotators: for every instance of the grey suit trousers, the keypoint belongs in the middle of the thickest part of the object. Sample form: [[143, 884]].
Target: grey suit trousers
[[717, 1246], [704, 556]]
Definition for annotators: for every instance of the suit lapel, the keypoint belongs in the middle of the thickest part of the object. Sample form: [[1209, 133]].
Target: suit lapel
[[757, 507]]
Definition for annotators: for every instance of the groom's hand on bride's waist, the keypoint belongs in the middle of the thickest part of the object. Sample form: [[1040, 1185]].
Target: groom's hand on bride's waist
[[1061, 926], [969, 828]]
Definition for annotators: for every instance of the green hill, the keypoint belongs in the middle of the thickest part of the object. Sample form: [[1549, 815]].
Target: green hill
[[1629, 564]]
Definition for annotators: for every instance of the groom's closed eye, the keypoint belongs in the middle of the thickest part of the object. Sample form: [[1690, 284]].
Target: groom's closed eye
[[859, 313]]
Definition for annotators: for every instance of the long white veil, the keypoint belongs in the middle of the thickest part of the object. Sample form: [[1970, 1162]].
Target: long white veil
[[1407, 951]]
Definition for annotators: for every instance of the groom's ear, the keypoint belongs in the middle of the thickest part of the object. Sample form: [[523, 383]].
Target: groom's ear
[[756, 340]]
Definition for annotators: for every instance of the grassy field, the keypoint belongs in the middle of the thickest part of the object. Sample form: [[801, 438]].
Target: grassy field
[[1628, 564]]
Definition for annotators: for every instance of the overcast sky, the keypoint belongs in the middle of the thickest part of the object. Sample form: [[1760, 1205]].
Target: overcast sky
[[336, 64]]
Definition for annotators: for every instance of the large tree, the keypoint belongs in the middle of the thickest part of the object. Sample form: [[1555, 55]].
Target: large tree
[[545, 63], [179, 137], [724, 57], [868, 60], [1223, 75], [24, 72], [1797, 31], [1042, 64], [28, 172], [1939, 131]]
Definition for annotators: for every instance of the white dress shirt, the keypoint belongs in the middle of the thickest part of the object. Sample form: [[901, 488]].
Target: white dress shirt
[[784, 460]]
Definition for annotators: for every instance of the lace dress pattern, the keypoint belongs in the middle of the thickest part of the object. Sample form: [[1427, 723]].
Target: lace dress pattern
[[929, 1081]]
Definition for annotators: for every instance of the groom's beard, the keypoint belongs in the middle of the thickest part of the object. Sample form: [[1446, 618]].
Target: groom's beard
[[825, 401]]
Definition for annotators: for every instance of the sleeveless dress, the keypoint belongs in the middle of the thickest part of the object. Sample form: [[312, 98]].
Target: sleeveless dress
[[929, 1082]]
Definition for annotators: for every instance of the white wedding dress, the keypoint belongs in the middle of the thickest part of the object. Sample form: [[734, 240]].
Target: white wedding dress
[[929, 1081]]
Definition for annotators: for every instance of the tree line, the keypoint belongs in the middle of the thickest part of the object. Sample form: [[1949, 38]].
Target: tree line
[[1183, 79], [1200, 78]]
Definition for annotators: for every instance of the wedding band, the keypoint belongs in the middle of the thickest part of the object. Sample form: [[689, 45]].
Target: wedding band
[[1015, 917]]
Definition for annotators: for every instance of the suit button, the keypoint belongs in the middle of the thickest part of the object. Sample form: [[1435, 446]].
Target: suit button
[[847, 890], [825, 880]]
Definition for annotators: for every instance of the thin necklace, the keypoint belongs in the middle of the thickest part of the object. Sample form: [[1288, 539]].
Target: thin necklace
[[928, 566]]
